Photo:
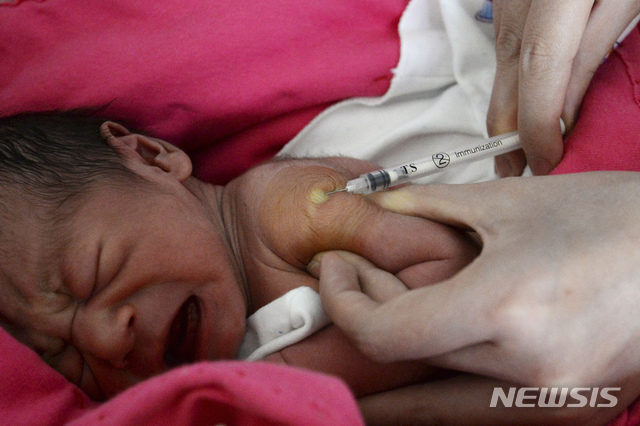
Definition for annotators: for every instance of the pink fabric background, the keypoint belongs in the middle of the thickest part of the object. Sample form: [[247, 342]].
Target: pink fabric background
[[607, 133], [231, 82], [240, 393]]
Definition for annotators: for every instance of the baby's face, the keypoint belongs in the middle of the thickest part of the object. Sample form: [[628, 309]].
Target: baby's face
[[134, 283], [138, 282]]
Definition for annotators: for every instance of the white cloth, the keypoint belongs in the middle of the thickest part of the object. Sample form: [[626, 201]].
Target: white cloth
[[283, 322], [438, 99]]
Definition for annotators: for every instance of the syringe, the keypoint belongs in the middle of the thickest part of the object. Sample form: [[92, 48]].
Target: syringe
[[407, 172]]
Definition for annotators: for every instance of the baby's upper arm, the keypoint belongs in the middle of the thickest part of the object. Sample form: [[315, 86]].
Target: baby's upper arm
[[299, 220]]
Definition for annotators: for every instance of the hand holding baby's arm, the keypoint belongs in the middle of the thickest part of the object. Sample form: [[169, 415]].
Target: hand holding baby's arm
[[551, 300], [292, 228]]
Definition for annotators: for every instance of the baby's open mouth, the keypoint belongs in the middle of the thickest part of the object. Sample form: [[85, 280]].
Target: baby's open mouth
[[182, 341]]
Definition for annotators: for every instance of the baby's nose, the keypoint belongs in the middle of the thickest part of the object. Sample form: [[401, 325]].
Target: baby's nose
[[105, 333]]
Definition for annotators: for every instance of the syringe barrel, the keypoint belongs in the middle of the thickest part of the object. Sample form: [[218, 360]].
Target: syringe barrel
[[378, 180], [402, 173], [442, 160], [370, 182]]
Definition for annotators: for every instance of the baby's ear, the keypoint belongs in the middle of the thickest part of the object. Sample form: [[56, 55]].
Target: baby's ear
[[147, 150]]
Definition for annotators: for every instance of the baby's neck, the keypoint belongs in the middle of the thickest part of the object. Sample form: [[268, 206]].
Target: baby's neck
[[221, 211]]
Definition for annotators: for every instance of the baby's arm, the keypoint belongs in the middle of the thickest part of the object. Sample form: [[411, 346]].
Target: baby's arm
[[288, 219], [297, 220]]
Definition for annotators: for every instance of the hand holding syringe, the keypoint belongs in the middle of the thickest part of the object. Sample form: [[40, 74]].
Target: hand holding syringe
[[407, 172]]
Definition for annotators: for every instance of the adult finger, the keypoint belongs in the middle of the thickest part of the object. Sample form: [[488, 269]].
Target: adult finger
[[339, 278], [421, 323], [606, 23], [509, 20], [509, 26], [464, 206], [550, 43], [376, 283]]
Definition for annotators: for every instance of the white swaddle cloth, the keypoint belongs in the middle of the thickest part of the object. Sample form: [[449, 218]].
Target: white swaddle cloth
[[283, 322], [437, 101]]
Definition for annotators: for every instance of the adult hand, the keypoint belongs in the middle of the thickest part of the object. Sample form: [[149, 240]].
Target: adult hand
[[547, 52], [552, 300]]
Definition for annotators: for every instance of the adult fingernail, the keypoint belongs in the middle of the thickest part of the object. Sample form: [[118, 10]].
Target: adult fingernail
[[395, 200]]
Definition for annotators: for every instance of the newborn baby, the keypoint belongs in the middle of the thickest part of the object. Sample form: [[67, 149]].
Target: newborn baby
[[117, 264]]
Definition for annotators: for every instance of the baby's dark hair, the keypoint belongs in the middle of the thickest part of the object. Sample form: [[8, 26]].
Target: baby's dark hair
[[55, 157]]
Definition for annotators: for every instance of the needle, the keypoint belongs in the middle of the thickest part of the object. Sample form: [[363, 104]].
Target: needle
[[339, 190]]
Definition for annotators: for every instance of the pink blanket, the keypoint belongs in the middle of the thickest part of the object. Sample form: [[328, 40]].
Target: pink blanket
[[607, 134], [31, 393], [231, 81]]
